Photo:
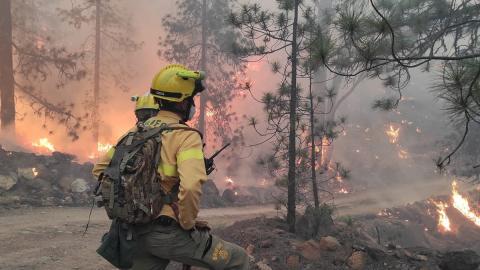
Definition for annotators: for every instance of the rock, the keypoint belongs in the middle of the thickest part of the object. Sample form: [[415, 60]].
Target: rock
[[310, 250], [229, 195], [293, 262], [421, 258], [28, 173], [329, 243], [68, 200], [460, 260], [357, 260], [250, 249], [315, 223], [8, 181], [210, 195], [79, 185], [263, 266], [66, 182], [266, 243], [41, 184]]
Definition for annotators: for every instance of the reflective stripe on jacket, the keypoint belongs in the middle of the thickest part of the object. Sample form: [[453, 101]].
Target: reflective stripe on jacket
[[182, 160]]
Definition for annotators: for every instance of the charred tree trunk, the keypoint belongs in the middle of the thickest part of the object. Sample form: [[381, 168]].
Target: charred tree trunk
[[291, 204], [203, 66], [313, 161], [7, 81], [96, 74]]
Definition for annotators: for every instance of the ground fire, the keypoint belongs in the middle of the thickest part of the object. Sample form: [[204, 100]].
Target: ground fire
[[443, 220], [43, 144], [393, 134], [458, 202]]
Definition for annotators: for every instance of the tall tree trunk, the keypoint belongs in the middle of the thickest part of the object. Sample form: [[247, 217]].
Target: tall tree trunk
[[96, 73], [203, 66], [313, 161], [291, 204], [7, 82]]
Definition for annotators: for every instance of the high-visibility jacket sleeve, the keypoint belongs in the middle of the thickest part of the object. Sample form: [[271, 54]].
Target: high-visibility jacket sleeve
[[192, 174], [103, 162]]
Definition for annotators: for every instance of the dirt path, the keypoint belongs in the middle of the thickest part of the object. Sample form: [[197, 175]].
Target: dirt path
[[51, 238]]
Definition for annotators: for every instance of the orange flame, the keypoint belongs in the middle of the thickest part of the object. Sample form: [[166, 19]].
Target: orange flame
[[462, 205], [343, 191], [45, 144], [210, 113], [325, 144], [34, 171], [393, 134], [103, 147], [229, 181], [402, 154], [444, 225]]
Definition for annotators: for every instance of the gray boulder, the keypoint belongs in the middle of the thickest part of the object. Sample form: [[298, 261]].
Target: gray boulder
[[79, 185], [8, 181]]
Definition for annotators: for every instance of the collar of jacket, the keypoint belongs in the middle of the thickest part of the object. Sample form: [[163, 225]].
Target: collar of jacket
[[171, 115]]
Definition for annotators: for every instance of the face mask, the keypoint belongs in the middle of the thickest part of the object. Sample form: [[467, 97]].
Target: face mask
[[191, 112]]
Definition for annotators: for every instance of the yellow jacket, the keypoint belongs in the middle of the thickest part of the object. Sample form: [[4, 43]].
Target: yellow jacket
[[182, 160]]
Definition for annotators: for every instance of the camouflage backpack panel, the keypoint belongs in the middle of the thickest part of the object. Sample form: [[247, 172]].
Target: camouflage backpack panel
[[131, 189]]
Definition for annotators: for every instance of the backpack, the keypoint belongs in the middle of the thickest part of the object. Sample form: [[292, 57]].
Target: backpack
[[130, 186]]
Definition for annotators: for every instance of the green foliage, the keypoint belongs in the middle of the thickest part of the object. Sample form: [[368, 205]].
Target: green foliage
[[348, 220], [385, 104]]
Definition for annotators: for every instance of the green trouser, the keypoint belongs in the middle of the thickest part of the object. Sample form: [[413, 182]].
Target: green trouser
[[160, 244]]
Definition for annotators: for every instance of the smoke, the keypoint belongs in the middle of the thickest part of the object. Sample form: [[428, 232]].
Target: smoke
[[365, 150]]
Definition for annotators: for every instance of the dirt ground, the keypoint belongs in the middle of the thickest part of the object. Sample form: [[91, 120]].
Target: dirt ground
[[51, 238]]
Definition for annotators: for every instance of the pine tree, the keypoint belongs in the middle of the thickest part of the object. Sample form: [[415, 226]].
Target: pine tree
[[297, 124], [389, 39], [28, 58], [197, 38], [112, 40]]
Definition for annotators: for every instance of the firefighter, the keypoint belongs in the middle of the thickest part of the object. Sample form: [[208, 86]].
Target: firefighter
[[145, 107], [177, 234]]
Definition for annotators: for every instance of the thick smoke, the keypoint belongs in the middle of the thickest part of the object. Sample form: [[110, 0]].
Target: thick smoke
[[365, 149]]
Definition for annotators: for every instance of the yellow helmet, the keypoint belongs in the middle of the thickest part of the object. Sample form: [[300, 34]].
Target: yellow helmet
[[176, 83], [145, 102]]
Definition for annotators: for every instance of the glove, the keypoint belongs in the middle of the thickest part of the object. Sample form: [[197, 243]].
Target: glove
[[202, 225]]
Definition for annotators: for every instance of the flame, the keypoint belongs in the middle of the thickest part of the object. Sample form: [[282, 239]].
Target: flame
[[229, 181], [343, 191], [236, 193], [402, 154], [44, 143], [34, 171], [443, 220], [299, 161], [210, 113], [462, 205], [324, 149], [103, 147], [338, 177], [393, 134]]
